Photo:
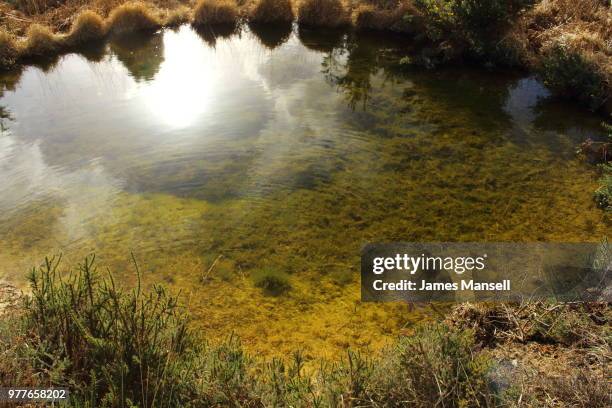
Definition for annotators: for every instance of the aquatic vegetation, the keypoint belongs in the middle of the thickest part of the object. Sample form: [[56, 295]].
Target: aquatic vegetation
[[41, 42], [87, 27], [132, 17], [208, 12], [273, 281], [8, 49], [272, 11], [322, 13]]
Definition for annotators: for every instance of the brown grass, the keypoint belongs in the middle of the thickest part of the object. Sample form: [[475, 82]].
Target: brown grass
[[41, 42], [323, 13], [272, 11], [370, 17], [8, 50], [215, 12], [132, 17], [87, 27], [177, 16]]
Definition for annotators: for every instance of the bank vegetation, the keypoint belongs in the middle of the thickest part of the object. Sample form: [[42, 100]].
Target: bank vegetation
[[136, 347]]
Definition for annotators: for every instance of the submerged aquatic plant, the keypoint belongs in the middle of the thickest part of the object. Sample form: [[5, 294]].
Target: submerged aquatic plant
[[87, 27], [324, 13], [272, 281], [215, 12], [272, 11], [132, 17]]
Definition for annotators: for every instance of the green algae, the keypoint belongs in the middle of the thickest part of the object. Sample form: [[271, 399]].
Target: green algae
[[301, 156]]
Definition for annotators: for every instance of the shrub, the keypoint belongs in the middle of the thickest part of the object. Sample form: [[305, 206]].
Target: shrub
[[115, 347], [566, 72], [41, 42], [272, 281], [435, 365], [132, 17], [325, 13], [8, 50], [215, 12], [471, 27], [272, 11], [88, 26]]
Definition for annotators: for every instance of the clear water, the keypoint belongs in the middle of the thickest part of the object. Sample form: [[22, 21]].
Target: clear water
[[279, 149]]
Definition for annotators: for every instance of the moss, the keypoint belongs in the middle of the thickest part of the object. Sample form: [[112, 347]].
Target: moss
[[41, 42], [324, 13], [272, 11], [215, 12], [87, 27], [131, 17], [9, 51]]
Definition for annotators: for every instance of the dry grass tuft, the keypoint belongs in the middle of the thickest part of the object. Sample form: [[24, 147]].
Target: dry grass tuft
[[88, 26], [41, 42], [8, 50], [272, 11], [177, 16], [215, 12], [369, 17], [132, 17], [323, 13]]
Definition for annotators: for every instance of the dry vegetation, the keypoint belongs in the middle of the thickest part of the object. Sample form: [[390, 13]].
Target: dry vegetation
[[272, 11], [215, 12], [88, 26], [323, 13], [132, 17]]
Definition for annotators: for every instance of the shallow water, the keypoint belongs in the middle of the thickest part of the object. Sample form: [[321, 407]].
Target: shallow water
[[279, 149]]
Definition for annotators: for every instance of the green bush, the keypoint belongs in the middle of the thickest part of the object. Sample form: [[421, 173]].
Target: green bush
[[272, 281], [568, 73], [470, 27], [435, 365], [111, 347]]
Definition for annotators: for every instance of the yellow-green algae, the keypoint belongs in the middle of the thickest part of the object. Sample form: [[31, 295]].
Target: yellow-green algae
[[304, 156]]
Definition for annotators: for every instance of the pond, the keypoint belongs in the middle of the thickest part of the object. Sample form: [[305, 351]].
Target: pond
[[216, 154]]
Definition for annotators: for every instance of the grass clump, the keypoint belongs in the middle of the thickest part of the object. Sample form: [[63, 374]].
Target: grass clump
[[8, 50], [177, 16], [208, 12], [131, 17], [41, 42], [87, 27], [272, 11], [323, 13], [399, 19], [272, 281]]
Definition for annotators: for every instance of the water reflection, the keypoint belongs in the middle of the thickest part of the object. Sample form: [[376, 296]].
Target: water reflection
[[271, 35], [263, 118]]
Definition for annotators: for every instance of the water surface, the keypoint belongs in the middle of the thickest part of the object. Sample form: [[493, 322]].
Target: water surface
[[279, 149]]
